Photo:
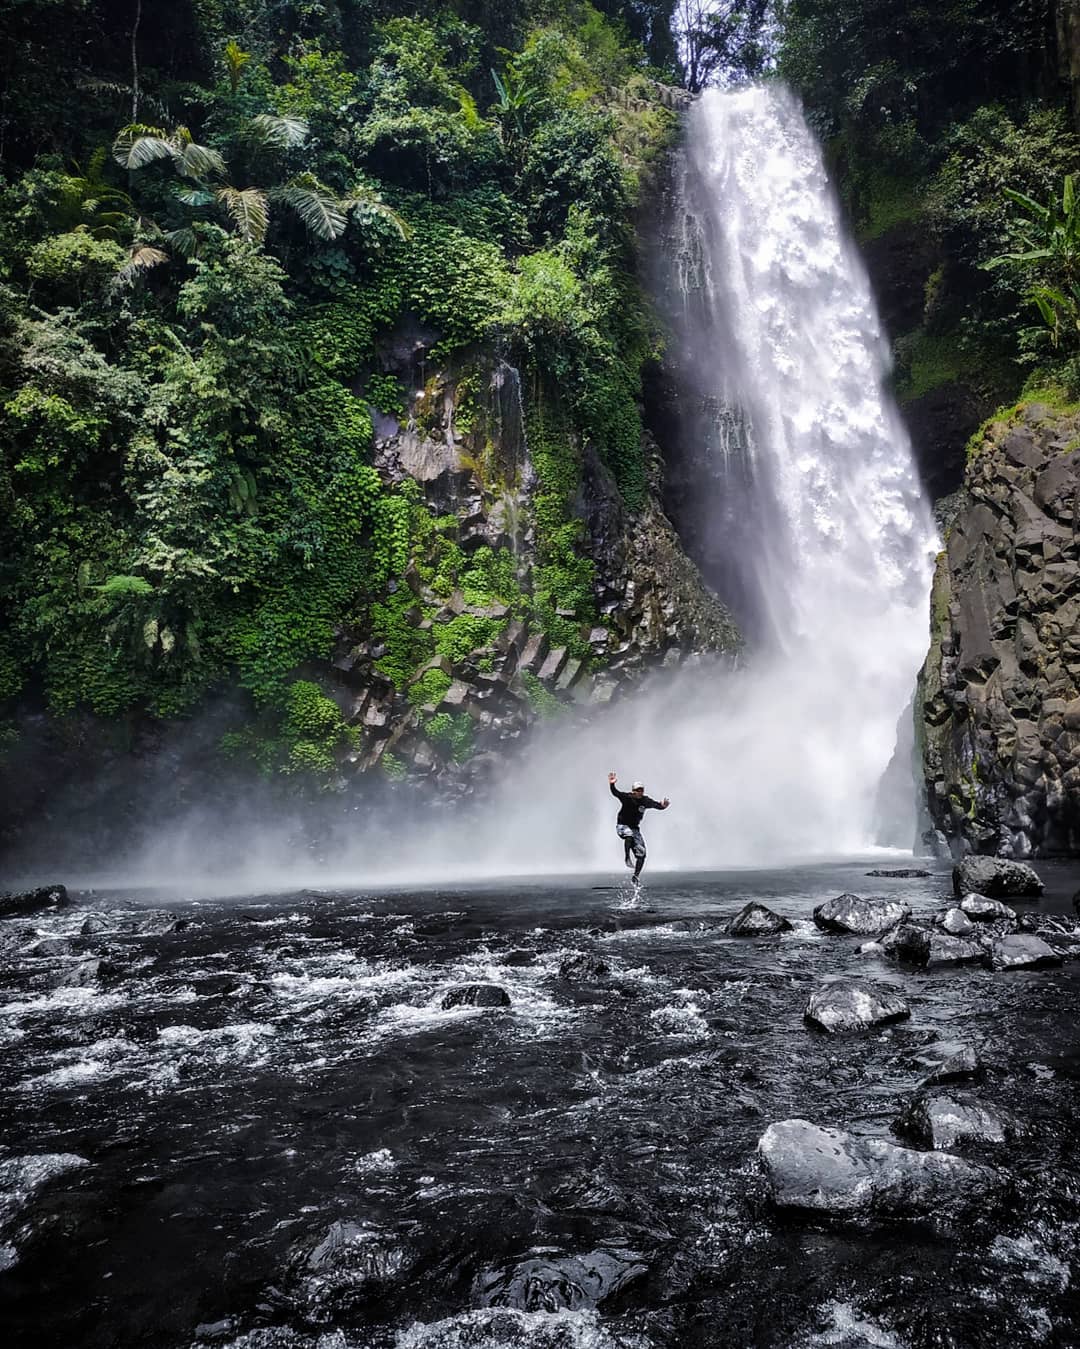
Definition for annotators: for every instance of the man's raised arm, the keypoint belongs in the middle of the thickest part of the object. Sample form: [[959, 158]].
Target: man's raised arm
[[612, 778]]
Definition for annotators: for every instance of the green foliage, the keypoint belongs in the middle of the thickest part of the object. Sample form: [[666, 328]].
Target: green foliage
[[453, 733], [542, 701], [429, 688]]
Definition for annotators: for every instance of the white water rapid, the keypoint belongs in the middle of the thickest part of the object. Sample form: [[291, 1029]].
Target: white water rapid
[[782, 759]]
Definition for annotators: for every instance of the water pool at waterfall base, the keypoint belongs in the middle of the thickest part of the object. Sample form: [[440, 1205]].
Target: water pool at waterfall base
[[271, 1123]]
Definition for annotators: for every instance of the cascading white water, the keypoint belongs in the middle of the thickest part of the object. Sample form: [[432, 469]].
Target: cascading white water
[[783, 758]]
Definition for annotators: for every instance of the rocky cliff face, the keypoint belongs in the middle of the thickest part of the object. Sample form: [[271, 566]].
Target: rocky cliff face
[[462, 437], [998, 708]]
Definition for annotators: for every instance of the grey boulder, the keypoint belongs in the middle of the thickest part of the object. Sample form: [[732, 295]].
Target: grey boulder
[[755, 920], [476, 995], [340, 1271], [584, 966], [846, 1005], [986, 910], [863, 917], [957, 924], [32, 901], [1022, 952], [945, 1120], [997, 877], [929, 947], [811, 1169]]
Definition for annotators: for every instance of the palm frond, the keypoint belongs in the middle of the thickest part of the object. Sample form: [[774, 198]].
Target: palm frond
[[195, 196], [322, 213], [283, 133], [248, 209], [199, 161], [137, 145], [183, 241], [141, 258]]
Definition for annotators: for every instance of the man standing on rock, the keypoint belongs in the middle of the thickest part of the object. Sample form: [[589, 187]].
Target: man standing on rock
[[634, 804]]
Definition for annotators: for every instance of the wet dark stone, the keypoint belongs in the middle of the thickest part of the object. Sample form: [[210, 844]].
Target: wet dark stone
[[849, 1006], [928, 947], [944, 1120], [901, 873], [51, 947], [997, 877], [152, 923], [985, 910], [476, 995], [217, 985], [755, 920], [947, 1060], [1022, 951], [517, 958], [698, 925], [81, 974], [15, 905], [339, 1273], [957, 923], [830, 1172], [864, 917], [584, 966], [569, 1283]]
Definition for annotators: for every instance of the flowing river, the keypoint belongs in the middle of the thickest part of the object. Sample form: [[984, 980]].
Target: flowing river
[[264, 1130]]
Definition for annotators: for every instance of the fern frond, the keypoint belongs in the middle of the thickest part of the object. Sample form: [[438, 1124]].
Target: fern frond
[[184, 241]]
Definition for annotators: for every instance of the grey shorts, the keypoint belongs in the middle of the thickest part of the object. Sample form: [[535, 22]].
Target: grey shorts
[[633, 836]]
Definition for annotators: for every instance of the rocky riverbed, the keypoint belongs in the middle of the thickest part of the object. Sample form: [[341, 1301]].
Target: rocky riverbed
[[729, 1111]]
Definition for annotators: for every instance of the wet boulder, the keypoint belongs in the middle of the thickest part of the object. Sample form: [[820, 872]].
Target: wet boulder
[[997, 877], [863, 917], [755, 920], [845, 1005], [50, 948], [811, 1169], [983, 909], [568, 1283], [945, 1120], [476, 995], [20, 1180], [1022, 952], [957, 924], [930, 947], [20, 903], [947, 1060], [340, 1272], [584, 966], [148, 923], [14, 937], [78, 974]]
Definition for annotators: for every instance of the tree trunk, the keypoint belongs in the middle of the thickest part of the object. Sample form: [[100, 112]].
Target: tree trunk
[[1067, 13], [135, 62]]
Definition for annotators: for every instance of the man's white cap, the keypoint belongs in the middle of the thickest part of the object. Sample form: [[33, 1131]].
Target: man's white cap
[[639, 784]]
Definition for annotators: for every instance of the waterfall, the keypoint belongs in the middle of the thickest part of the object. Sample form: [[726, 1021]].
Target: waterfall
[[807, 515]]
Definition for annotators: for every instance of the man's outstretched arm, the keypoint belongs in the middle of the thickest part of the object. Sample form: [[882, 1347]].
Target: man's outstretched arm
[[650, 804]]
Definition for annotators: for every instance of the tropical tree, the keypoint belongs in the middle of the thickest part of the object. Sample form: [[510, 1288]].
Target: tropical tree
[[1050, 259], [720, 36]]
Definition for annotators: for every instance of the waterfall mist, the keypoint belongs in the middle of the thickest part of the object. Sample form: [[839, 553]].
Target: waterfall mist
[[801, 504]]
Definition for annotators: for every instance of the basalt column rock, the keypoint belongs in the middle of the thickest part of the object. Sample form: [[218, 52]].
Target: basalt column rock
[[998, 710]]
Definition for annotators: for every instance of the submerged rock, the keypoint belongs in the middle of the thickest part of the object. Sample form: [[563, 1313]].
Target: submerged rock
[[340, 1272], [20, 1179], [583, 966], [1022, 951], [755, 920], [80, 974], [476, 995], [985, 910], [864, 917], [17, 904], [946, 1060], [150, 923], [828, 1171], [569, 1283], [942, 1120], [849, 1006], [957, 924], [996, 877], [901, 873], [929, 947]]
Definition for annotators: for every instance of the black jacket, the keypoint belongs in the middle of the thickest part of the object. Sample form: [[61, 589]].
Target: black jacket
[[633, 807]]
